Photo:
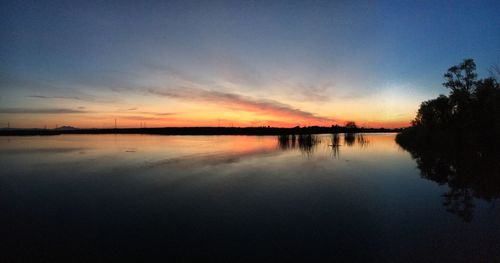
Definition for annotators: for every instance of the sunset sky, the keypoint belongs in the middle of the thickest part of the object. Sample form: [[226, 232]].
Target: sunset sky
[[223, 63]]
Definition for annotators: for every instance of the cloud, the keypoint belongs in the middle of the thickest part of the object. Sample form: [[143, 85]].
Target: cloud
[[135, 110], [79, 96], [36, 86], [54, 97], [311, 92], [220, 69], [158, 113], [151, 113], [239, 102], [176, 73], [233, 69], [147, 118], [39, 111]]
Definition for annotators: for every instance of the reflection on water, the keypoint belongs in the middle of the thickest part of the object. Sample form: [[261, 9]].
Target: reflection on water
[[469, 174], [335, 144], [307, 142], [304, 142], [330, 196]]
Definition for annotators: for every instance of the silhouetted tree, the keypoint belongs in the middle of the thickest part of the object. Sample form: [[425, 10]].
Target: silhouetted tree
[[462, 77], [351, 125], [472, 106], [486, 104], [454, 139], [434, 113]]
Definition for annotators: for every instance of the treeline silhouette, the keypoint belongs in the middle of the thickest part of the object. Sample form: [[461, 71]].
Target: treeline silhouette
[[200, 131], [469, 115], [455, 139]]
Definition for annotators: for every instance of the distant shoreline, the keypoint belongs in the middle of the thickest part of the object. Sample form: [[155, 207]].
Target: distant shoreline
[[196, 131]]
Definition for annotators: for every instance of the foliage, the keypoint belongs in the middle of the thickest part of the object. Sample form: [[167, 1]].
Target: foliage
[[470, 113]]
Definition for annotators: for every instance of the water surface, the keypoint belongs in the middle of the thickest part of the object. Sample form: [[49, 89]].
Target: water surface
[[354, 198]]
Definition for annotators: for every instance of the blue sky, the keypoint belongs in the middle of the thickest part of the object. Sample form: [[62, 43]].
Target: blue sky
[[371, 61]]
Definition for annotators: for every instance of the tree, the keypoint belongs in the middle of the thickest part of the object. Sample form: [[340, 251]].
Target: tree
[[462, 77], [486, 104], [436, 113], [470, 114], [455, 141], [351, 125]]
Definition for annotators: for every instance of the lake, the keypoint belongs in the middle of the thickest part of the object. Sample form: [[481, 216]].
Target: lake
[[343, 198]]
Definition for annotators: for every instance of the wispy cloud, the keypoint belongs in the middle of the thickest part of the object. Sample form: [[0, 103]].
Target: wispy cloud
[[135, 110], [39, 111], [176, 73], [239, 102], [149, 118], [48, 90], [313, 92], [233, 69], [220, 68], [157, 113], [73, 95], [54, 97]]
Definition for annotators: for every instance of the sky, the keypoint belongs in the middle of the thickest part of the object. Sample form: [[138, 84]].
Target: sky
[[234, 63]]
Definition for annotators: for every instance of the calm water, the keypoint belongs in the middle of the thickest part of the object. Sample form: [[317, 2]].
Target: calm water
[[104, 197]]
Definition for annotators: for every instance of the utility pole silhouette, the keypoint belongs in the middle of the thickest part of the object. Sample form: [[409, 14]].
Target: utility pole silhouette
[[115, 123], [8, 125]]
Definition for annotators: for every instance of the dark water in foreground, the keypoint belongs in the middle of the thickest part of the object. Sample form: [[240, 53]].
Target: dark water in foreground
[[107, 197]]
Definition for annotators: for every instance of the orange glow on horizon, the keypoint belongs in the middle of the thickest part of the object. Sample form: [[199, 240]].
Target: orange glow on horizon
[[217, 109], [146, 122]]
